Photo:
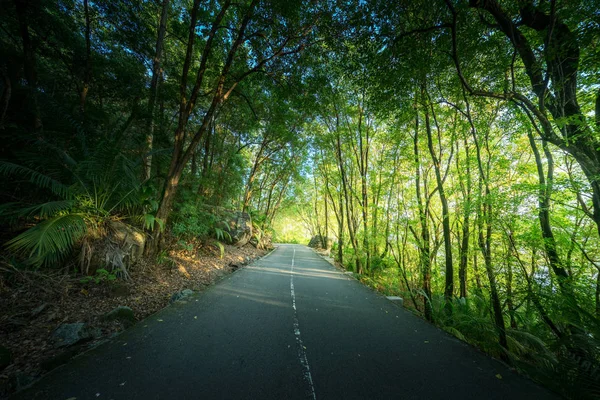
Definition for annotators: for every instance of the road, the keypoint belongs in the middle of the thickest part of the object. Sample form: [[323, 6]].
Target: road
[[289, 326]]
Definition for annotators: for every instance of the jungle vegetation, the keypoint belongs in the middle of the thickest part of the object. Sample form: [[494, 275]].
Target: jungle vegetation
[[450, 148]]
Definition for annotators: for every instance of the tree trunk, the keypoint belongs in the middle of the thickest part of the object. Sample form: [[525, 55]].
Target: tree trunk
[[449, 284], [544, 194], [562, 55], [341, 229], [484, 220], [156, 73], [424, 246], [347, 199], [363, 166], [509, 291], [23, 11], [87, 74], [464, 245]]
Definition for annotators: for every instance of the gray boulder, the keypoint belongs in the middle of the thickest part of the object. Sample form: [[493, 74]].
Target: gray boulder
[[239, 227], [182, 294], [69, 334], [5, 357], [130, 239], [122, 314]]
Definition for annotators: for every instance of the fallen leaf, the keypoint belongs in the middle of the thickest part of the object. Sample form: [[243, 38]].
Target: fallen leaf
[[498, 376], [159, 320], [426, 341]]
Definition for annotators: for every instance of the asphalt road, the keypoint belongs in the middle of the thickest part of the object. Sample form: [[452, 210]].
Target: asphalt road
[[290, 326]]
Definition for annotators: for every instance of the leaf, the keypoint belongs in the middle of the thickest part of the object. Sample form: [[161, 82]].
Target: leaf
[[149, 220], [498, 376], [221, 248], [48, 209], [49, 241], [35, 177]]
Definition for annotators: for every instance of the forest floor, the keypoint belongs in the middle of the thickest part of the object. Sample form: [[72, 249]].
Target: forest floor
[[35, 304]]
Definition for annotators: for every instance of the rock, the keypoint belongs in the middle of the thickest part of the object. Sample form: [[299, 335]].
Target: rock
[[119, 248], [262, 241], [5, 357], [182, 294], [235, 266], [52, 316], [320, 242], [50, 363], [38, 310], [238, 225], [131, 240], [69, 334], [122, 314]]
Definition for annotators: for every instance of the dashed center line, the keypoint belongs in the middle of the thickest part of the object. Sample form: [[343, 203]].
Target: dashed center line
[[300, 344]]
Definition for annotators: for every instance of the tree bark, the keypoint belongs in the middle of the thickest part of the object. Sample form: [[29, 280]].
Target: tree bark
[[544, 194], [449, 284], [561, 56], [156, 73], [464, 244], [87, 73], [29, 63], [424, 245], [347, 198]]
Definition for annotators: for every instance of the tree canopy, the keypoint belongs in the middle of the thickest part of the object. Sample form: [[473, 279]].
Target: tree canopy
[[450, 148]]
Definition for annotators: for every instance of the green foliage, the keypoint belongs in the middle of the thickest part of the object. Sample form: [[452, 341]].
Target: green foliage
[[101, 276], [163, 259], [187, 246], [221, 234], [98, 190], [190, 222], [50, 241]]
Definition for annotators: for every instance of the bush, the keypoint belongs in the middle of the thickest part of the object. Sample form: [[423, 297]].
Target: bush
[[190, 222]]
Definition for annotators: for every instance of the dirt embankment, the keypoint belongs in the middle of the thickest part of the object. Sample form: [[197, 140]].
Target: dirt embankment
[[34, 304]]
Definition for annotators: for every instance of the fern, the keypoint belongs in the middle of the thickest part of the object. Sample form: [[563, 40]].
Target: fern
[[51, 240], [221, 234], [44, 210], [149, 220], [35, 177]]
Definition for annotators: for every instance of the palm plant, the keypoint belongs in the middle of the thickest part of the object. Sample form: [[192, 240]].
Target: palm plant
[[83, 195]]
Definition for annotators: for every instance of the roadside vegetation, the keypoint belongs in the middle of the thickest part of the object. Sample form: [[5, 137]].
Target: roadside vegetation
[[448, 149]]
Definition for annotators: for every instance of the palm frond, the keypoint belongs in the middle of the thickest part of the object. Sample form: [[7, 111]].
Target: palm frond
[[45, 210], [49, 241], [529, 343], [35, 177]]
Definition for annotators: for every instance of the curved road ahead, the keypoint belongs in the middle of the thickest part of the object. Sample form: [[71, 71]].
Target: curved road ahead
[[289, 326]]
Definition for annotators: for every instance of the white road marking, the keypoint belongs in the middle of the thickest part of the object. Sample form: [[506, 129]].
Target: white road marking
[[301, 348]]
